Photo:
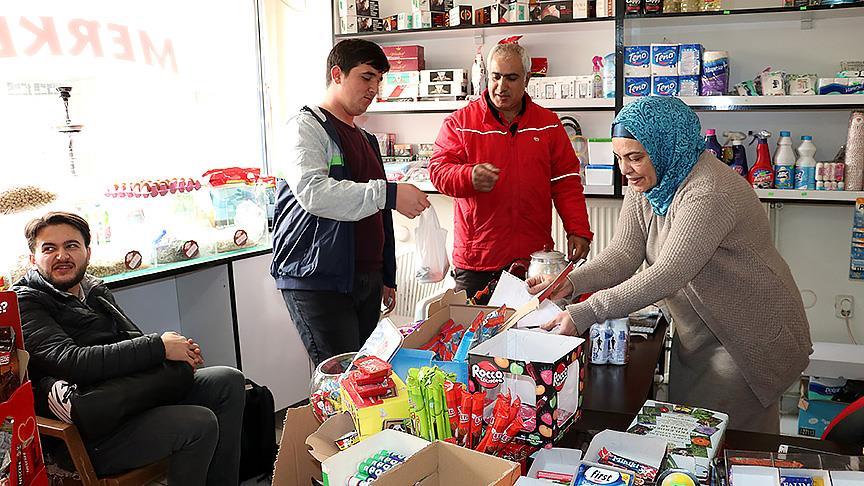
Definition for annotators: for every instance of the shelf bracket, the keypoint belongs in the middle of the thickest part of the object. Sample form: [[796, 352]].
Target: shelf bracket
[[806, 20]]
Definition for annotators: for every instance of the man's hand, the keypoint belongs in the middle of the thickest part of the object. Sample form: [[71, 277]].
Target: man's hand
[[577, 247], [484, 176], [196, 349], [538, 283], [388, 298], [562, 324], [177, 348], [410, 201]]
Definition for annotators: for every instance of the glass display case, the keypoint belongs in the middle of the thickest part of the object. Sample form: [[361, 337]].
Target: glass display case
[[142, 225]]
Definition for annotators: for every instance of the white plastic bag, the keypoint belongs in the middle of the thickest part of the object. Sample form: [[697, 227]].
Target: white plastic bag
[[431, 251]]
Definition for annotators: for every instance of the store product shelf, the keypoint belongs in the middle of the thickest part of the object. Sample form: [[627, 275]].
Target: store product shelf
[[794, 195], [505, 29], [177, 268], [575, 104], [752, 103], [747, 15]]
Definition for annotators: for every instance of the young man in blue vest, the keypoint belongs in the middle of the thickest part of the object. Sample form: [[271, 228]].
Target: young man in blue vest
[[333, 248]]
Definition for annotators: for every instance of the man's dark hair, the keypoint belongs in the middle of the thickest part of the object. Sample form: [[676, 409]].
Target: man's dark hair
[[54, 218], [351, 53]]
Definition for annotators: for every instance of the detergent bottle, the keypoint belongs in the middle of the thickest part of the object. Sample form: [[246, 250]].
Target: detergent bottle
[[761, 175], [784, 162], [738, 162]]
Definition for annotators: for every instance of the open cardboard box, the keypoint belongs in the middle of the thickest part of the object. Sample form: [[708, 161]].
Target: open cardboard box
[[337, 469], [556, 460], [546, 371], [294, 464], [640, 448], [444, 464], [452, 305]]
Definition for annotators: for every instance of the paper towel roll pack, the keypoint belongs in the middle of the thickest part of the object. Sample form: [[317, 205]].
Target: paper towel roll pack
[[855, 152], [715, 73]]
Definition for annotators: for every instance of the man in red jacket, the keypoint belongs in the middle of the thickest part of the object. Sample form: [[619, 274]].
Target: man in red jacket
[[505, 159]]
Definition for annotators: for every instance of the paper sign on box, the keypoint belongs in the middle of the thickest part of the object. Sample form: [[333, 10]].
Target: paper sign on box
[[555, 459]]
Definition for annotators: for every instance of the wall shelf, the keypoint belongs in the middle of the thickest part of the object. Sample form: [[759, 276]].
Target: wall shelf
[[794, 195], [748, 14], [576, 104], [743, 103], [470, 31]]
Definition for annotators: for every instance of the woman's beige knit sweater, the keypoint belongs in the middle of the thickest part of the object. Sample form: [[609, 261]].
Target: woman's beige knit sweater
[[713, 249]]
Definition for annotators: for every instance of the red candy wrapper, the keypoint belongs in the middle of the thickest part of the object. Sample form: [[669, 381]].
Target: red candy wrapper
[[476, 417], [515, 407], [492, 440], [453, 395], [373, 367], [503, 400], [512, 429], [464, 430]]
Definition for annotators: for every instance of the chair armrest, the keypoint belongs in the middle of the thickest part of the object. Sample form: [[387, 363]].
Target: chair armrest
[[53, 428]]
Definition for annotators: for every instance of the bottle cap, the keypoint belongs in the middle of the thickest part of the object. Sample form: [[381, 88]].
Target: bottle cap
[[710, 131], [784, 134], [806, 137]]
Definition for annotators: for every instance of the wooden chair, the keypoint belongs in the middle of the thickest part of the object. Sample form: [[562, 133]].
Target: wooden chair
[[68, 433]]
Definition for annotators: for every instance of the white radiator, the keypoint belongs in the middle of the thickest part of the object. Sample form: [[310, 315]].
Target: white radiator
[[602, 215]]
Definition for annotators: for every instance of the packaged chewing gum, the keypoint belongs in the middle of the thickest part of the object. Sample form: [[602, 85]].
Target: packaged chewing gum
[[645, 474], [590, 474]]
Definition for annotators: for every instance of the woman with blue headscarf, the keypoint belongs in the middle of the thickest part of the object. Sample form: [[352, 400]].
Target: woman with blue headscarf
[[741, 336]]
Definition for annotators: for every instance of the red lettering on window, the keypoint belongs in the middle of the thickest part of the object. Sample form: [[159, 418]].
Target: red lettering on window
[[150, 51], [7, 47], [46, 35], [85, 32], [122, 40]]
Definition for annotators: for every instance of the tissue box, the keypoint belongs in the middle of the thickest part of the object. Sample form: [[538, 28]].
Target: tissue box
[[815, 415], [372, 415], [637, 61], [690, 60], [461, 15], [694, 435], [545, 371], [664, 59], [688, 85], [456, 88]]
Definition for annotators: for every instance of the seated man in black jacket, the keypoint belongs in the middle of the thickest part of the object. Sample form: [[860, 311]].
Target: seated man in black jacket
[[81, 345]]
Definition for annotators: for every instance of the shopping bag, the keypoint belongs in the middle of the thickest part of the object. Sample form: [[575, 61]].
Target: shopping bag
[[431, 248]]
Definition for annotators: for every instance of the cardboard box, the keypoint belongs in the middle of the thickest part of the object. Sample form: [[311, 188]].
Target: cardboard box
[[552, 11], [27, 466], [440, 6], [643, 449], [390, 23], [405, 65], [294, 464], [431, 76], [444, 464], [404, 21], [600, 151], [490, 14], [679, 425], [599, 175], [365, 8], [518, 12], [337, 469], [847, 478], [546, 371], [461, 15], [605, 8], [388, 413], [450, 306], [421, 19], [322, 442], [355, 24], [815, 415], [403, 52], [456, 88], [556, 460], [420, 5], [440, 19]]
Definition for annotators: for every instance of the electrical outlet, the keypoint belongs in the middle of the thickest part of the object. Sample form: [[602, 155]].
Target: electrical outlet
[[844, 306]]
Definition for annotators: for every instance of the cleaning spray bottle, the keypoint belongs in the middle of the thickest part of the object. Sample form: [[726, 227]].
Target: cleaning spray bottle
[[478, 74], [712, 144], [598, 78], [761, 175], [738, 162]]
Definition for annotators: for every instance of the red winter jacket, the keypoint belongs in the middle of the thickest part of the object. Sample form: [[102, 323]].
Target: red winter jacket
[[538, 165]]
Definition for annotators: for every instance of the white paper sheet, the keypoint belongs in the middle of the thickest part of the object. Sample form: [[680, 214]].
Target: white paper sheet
[[513, 292]]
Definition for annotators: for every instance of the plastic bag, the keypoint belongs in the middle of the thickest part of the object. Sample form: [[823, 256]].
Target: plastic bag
[[431, 253]]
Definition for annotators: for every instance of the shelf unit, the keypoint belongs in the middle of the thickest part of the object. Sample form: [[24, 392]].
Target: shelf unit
[[753, 22]]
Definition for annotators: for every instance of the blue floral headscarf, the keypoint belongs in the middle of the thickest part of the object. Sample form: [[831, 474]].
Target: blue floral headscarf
[[672, 135]]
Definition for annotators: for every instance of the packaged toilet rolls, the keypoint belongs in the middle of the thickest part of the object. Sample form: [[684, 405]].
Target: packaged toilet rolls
[[715, 73]]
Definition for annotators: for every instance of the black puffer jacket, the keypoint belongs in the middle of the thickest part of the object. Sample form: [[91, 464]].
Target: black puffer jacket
[[80, 342]]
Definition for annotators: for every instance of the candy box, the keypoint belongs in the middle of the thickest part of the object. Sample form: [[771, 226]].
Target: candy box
[[641, 454], [546, 371], [450, 306], [372, 415], [403, 52], [461, 15], [552, 466], [694, 435], [338, 468], [591, 474]]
